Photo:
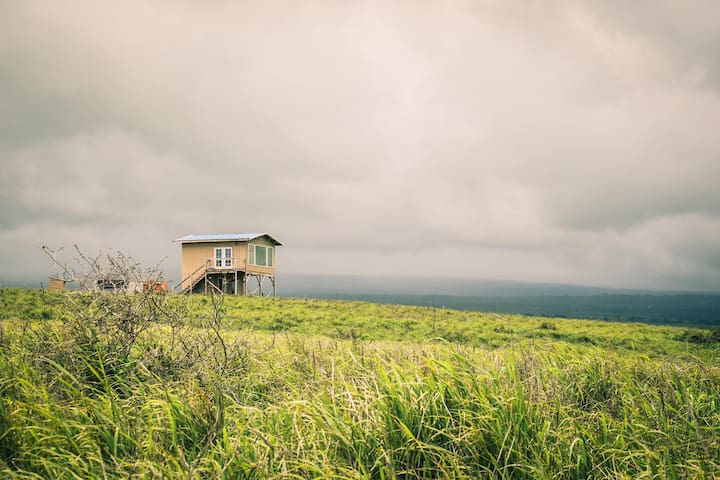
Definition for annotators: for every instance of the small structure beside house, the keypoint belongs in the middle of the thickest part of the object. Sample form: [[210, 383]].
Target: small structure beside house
[[235, 263], [56, 283], [119, 283], [154, 286], [110, 283]]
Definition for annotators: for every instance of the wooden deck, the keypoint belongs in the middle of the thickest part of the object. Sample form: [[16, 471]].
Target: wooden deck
[[236, 273]]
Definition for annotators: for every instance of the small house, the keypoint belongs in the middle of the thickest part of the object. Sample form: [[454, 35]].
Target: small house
[[56, 283], [235, 263]]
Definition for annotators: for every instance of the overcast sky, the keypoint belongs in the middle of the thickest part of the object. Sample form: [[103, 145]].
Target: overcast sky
[[553, 141]]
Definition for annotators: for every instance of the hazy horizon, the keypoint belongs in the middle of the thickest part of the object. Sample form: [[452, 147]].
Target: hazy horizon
[[291, 284], [553, 142]]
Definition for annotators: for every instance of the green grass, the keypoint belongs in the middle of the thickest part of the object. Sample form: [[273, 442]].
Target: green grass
[[319, 389], [362, 321]]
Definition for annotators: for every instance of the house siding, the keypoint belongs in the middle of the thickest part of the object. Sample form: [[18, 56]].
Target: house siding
[[259, 269], [195, 255]]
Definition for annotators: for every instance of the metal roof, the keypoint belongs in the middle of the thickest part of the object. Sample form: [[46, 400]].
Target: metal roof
[[225, 237]]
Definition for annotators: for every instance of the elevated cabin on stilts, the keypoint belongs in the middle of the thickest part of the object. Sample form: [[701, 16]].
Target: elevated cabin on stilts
[[236, 264]]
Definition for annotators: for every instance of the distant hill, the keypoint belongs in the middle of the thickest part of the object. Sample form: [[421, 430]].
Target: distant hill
[[293, 285], [552, 300]]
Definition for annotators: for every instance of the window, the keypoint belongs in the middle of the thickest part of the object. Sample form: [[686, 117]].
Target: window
[[223, 257], [260, 255]]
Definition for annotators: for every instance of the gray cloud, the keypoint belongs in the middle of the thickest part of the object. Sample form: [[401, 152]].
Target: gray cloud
[[685, 34], [570, 142]]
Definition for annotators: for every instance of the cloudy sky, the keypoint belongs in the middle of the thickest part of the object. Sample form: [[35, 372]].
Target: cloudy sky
[[553, 141]]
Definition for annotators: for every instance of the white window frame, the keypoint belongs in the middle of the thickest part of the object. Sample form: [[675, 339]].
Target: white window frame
[[269, 255], [223, 260]]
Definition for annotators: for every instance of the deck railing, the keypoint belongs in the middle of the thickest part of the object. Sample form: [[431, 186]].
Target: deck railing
[[234, 263]]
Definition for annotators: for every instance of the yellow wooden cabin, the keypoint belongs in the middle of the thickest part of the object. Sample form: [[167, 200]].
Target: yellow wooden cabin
[[235, 263]]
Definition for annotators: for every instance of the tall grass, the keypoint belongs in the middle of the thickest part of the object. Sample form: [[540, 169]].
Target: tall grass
[[296, 406]]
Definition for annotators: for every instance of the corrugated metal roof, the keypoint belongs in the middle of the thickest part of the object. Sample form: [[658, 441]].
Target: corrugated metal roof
[[225, 237]]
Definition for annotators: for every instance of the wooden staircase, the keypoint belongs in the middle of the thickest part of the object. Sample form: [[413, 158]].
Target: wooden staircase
[[193, 278]]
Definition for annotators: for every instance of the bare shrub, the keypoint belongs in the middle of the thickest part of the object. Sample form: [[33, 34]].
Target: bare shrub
[[118, 316], [112, 307]]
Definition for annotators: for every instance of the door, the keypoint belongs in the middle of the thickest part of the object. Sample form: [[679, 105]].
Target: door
[[223, 257]]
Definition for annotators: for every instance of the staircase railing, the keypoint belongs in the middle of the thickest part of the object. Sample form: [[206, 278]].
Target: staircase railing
[[191, 277], [237, 263]]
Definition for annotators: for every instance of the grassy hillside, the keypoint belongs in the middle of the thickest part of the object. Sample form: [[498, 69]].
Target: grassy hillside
[[554, 300], [171, 387], [662, 309]]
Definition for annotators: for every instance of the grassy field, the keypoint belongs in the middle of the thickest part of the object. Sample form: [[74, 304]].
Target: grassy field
[[123, 386]]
